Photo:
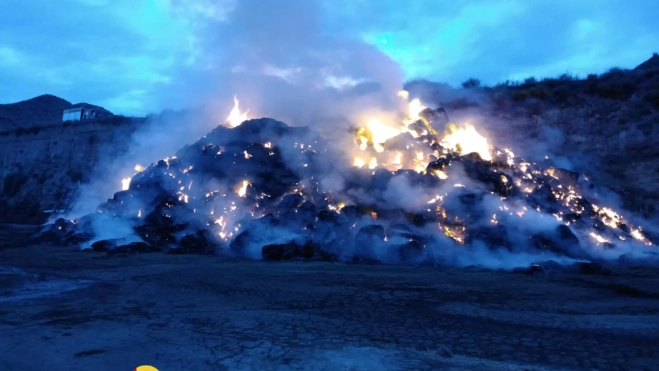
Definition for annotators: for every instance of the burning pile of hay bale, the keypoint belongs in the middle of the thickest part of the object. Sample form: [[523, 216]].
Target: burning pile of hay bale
[[257, 190]]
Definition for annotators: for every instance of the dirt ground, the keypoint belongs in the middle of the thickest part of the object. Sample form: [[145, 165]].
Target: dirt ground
[[67, 310]]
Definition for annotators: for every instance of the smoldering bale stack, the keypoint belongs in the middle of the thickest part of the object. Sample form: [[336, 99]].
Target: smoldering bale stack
[[254, 191]]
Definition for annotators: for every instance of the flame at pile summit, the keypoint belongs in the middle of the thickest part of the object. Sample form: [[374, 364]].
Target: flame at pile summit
[[417, 190]]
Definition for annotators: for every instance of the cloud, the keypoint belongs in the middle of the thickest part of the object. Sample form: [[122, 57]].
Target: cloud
[[84, 50], [155, 54]]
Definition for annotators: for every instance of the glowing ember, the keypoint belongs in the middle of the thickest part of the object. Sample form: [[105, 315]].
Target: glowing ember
[[139, 168], [440, 174], [380, 133], [359, 162], [236, 117], [373, 163], [125, 184], [598, 238], [242, 190], [414, 108], [467, 140]]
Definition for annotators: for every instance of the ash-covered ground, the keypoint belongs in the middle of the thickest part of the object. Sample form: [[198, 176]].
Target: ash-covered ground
[[420, 191]]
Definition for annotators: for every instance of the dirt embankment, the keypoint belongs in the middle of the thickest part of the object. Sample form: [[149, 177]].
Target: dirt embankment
[[38, 164]]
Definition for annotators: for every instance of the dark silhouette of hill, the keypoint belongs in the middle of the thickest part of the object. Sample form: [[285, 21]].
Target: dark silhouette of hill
[[39, 110], [651, 63]]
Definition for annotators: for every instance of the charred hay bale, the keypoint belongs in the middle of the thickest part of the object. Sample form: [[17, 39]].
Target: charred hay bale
[[105, 245], [368, 241], [419, 220], [410, 251], [290, 210], [561, 241], [438, 165], [407, 246], [328, 216], [306, 214], [652, 236], [464, 205], [500, 160], [202, 242], [330, 232], [437, 118], [76, 238], [494, 236], [530, 270], [240, 243], [566, 235], [400, 142], [380, 179], [566, 177], [543, 197], [62, 232], [288, 251], [54, 232], [500, 183], [252, 233], [353, 213], [158, 235], [290, 201]]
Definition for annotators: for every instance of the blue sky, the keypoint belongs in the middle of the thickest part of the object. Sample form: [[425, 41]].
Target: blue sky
[[140, 56]]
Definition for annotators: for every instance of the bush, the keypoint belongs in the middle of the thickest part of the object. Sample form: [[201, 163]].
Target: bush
[[561, 95], [520, 96], [530, 80], [471, 83], [614, 90], [614, 73], [504, 84], [550, 82], [533, 93], [652, 98], [567, 77], [592, 77]]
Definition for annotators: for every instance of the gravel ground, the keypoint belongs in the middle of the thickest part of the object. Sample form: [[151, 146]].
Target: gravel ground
[[67, 310]]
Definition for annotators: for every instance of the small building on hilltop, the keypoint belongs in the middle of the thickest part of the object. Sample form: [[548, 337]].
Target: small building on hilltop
[[84, 111]]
